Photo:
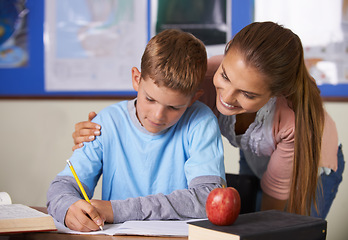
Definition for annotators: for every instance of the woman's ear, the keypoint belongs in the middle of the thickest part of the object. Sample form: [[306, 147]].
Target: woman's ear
[[136, 76]]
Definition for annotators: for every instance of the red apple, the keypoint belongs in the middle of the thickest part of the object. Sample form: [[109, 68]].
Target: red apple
[[223, 206]]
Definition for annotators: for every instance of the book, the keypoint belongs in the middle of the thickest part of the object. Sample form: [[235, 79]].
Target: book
[[270, 225], [21, 218]]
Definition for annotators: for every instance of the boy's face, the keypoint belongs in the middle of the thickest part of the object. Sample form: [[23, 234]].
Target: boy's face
[[158, 108]]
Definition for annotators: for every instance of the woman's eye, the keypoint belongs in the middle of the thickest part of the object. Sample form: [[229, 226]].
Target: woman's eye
[[223, 75], [249, 96]]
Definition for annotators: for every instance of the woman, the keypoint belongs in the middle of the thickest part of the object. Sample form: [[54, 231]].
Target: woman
[[269, 106]]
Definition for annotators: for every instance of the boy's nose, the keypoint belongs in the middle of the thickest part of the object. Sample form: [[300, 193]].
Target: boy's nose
[[160, 113]]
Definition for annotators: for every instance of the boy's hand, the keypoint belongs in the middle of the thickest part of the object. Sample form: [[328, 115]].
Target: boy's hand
[[85, 131], [84, 217], [104, 208]]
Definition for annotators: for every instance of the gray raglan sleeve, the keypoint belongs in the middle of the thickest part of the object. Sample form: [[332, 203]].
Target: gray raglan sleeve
[[62, 193], [178, 205]]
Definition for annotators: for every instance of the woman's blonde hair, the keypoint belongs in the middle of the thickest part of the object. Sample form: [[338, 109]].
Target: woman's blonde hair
[[175, 59], [277, 53]]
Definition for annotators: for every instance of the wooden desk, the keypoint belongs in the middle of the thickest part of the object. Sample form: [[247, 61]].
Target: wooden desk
[[61, 236]]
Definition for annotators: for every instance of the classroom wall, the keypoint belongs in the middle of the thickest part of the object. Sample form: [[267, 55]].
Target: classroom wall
[[36, 141]]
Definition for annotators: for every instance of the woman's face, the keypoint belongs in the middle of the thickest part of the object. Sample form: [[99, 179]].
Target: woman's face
[[239, 88]]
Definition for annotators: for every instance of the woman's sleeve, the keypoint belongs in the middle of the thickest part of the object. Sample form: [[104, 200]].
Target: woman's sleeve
[[277, 178]]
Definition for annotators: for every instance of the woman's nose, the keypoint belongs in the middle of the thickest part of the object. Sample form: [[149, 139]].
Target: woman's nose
[[230, 96]]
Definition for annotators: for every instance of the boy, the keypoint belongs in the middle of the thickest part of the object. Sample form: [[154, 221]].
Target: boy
[[160, 154]]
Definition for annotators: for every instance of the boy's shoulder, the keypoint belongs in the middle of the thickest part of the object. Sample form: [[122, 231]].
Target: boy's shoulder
[[198, 111], [112, 112], [119, 106], [199, 107]]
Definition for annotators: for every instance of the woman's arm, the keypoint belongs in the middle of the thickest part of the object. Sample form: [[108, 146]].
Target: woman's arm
[[269, 203], [276, 181]]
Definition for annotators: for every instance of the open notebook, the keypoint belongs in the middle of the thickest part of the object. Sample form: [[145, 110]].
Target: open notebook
[[143, 228]]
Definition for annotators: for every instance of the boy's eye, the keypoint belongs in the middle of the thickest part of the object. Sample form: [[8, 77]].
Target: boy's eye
[[174, 108], [149, 99]]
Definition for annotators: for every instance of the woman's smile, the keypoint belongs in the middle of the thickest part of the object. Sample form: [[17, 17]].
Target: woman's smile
[[230, 107]]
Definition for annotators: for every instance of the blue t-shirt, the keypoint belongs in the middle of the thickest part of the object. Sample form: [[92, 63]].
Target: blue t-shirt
[[134, 162]]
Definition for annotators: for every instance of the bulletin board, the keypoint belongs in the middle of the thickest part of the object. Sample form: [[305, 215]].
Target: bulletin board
[[28, 81]]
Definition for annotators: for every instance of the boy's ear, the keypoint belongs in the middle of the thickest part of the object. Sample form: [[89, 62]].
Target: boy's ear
[[197, 95], [136, 76]]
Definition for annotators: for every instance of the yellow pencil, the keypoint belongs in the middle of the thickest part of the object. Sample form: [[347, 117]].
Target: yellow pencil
[[80, 185]]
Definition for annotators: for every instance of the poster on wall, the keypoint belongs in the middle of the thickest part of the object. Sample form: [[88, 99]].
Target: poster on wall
[[13, 34], [92, 45]]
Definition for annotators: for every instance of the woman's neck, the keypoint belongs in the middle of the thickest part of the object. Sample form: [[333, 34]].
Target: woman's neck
[[243, 122]]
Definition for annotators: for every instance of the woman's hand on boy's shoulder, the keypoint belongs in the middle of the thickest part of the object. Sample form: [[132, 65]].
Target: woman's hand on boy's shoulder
[[85, 131]]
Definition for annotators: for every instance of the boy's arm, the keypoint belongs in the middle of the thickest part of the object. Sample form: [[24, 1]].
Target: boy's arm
[[64, 190], [62, 193], [204, 171], [179, 205], [66, 204]]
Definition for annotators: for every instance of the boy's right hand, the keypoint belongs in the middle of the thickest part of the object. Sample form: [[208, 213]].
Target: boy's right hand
[[82, 216], [85, 131]]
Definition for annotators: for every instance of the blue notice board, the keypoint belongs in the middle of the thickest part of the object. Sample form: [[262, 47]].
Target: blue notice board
[[28, 81]]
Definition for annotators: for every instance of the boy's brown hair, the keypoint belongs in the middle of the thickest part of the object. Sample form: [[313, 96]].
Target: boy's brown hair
[[176, 60]]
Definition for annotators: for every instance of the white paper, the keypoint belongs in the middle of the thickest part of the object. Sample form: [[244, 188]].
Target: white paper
[[143, 228], [13, 211]]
